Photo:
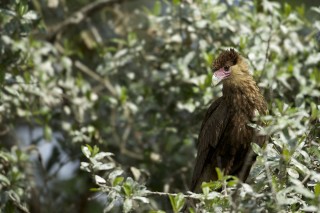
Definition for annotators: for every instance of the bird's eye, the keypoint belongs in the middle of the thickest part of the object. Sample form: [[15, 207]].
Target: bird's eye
[[226, 68]]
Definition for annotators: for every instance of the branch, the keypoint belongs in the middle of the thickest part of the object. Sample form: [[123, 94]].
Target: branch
[[103, 80], [78, 16], [148, 192], [267, 52]]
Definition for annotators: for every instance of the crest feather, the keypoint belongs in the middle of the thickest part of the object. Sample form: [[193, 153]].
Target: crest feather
[[226, 58]]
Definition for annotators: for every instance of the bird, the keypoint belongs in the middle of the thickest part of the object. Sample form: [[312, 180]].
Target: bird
[[225, 135]]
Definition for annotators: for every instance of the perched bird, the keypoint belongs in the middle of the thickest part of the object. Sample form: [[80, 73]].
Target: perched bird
[[225, 136]]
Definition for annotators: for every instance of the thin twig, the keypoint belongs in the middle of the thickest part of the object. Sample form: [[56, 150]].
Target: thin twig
[[267, 52], [269, 177], [306, 178], [78, 16], [104, 81]]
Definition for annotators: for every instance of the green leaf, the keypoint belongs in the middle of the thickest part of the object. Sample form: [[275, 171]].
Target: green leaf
[[232, 183], [317, 190], [219, 173], [47, 133], [286, 154], [214, 185], [314, 111], [205, 189], [177, 202], [95, 189], [157, 8], [176, 2], [22, 8], [95, 151], [117, 181], [287, 9], [301, 10], [127, 189], [90, 148], [180, 201], [208, 59], [173, 203], [243, 42], [123, 95], [132, 38]]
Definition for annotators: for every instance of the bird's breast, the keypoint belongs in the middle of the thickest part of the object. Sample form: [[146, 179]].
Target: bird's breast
[[238, 135]]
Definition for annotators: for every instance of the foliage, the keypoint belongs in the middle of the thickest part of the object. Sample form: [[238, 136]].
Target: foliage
[[135, 81], [15, 188]]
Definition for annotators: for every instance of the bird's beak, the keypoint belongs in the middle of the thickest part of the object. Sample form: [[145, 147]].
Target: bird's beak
[[219, 75], [215, 80]]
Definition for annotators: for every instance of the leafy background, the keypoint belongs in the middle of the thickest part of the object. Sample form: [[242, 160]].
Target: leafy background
[[101, 103]]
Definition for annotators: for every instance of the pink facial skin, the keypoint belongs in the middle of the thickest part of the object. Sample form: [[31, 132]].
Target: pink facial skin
[[222, 73]]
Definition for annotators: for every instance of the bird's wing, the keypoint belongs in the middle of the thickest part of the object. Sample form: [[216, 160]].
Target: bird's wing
[[211, 131]]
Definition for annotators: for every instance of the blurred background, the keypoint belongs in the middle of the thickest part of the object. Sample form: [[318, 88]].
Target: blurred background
[[133, 78]]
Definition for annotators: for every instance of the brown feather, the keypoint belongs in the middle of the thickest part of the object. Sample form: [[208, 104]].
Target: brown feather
[[226, 58], [225, 137]]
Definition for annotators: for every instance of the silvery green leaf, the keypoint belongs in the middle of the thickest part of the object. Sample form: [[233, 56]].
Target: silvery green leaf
[[121, 53], [86, 151], [30, 15], [109, 206], [313, 58], [316, 9], [115, 173], [315, 176], [282, 197], [257, 149], [305, 155], [201, 24], [136, 172], [304, 191], [293, 173], [247, 187], [189, 57], [5, 181], [102, 155], [8, 12], [104, 166], [299, 165], [99, 180], [176, 38], [310, 208], [85, 166], [14, 196], [142, 199], [213, 195], [127, 205], [4, 156]]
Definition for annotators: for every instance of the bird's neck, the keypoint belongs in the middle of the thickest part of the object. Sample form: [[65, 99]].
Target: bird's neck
[[242, 94]]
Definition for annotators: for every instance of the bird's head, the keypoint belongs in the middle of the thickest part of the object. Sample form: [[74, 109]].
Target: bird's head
[[228, 66]]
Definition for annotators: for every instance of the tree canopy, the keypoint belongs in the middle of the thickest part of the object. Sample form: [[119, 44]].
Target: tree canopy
[[101, 103]]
